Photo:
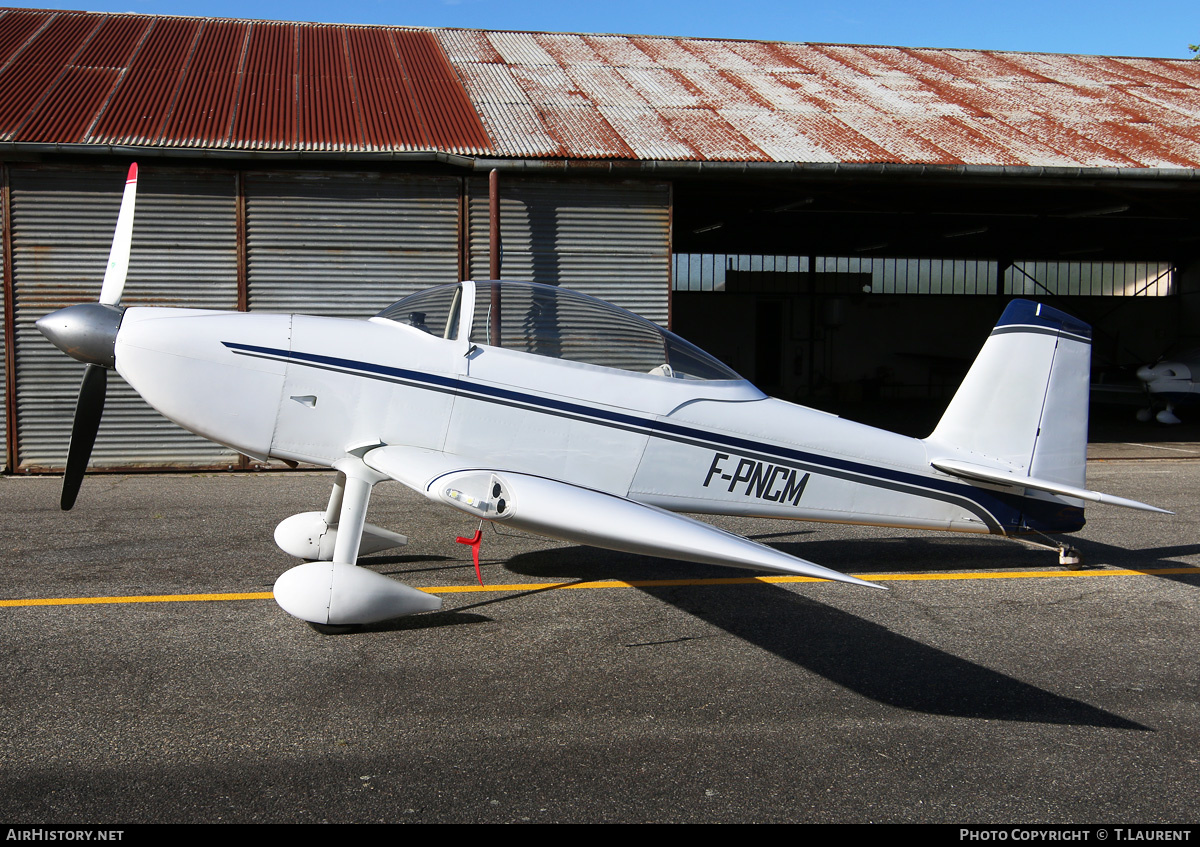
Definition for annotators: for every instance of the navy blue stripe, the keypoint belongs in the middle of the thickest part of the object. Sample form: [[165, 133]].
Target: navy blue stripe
[[999, 509], [1040, 330], [1030, 314]]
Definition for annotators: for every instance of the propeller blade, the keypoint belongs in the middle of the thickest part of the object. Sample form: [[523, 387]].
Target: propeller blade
[[88, 410], [88, 336], [118, 256]]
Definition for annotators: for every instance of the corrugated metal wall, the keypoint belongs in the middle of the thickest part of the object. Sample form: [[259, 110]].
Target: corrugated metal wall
[[610, 240], [184, 253], [348, 244], [344, 244], [4, 297]]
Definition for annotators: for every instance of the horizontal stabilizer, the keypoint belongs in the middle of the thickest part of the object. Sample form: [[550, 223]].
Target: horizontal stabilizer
[[971, 471], [568, 512]]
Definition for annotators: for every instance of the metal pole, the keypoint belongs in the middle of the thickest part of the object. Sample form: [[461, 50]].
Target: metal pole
[[494, 223], [8, 296], [494, 252]]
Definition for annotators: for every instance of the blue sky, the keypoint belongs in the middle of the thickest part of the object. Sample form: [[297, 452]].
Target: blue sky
[[1160, 28]]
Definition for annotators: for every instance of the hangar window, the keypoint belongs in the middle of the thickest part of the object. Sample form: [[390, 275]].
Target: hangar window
[[767, 274], [759, 274], [1091, 279], [882, 275]]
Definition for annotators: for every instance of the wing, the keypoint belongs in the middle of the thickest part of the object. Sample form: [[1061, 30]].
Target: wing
[[557, 509]]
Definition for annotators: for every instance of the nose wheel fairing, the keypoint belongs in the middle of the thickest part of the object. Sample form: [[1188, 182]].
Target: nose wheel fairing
[[311, 537]]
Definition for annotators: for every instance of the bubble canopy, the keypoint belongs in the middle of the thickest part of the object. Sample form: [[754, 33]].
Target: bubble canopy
[[558, 323]]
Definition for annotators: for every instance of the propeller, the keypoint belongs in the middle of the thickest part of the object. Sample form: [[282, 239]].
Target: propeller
[[88, 332], [88, 410], [118, 256]]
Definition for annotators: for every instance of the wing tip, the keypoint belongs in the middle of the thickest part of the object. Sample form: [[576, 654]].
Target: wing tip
[[868, 584]]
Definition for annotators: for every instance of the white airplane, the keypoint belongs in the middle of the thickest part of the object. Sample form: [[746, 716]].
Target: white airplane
[[565, 416], [1171, 381]]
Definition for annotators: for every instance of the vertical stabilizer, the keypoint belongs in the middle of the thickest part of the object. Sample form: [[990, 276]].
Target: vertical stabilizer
[[1023, 406]]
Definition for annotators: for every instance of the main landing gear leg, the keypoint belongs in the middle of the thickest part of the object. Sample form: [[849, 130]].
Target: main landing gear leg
[[338, 596], [333, 511], [313, 536], [347, 510], [356, 480]]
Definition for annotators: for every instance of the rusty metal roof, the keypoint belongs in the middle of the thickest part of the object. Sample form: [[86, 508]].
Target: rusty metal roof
[[142, 80], [591, 96]]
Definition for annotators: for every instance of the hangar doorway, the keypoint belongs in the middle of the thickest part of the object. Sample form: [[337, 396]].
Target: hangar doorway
[[888, 278], [887, 340]]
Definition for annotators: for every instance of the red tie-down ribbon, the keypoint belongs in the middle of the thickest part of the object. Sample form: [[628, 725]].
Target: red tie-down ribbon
[[474, 541]]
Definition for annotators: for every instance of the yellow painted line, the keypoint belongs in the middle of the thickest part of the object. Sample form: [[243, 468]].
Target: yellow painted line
[[142, 598], [1028, 574], [750, 580], [614, 583]]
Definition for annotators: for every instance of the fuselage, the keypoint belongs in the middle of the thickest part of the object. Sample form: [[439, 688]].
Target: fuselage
[[308, 389]]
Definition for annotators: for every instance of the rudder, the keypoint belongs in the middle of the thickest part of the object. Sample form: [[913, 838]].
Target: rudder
[[1023, 406]]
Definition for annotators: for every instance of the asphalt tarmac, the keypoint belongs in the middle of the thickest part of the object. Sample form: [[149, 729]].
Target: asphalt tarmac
[[988, 684]]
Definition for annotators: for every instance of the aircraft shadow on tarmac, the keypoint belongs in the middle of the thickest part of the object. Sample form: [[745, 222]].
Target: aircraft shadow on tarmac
[[1098, 553], [863, 656], [932, 554]]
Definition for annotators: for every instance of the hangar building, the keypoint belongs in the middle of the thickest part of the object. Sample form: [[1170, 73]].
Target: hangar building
[[839, 223]]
